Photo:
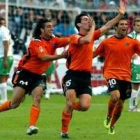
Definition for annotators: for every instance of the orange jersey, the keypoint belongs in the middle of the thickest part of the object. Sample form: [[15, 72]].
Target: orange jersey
[[80, 56], [118, 54], [39, 48]]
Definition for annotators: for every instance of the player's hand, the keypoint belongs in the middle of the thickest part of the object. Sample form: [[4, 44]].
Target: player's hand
[[5, 64], [64, 54], [122, 7], [91, 22]]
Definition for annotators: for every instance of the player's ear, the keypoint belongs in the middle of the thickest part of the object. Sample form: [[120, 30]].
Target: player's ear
[[115, 28], [78, 24], [42, 30]]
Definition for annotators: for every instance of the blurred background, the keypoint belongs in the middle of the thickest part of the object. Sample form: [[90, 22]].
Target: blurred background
[[21, 15]]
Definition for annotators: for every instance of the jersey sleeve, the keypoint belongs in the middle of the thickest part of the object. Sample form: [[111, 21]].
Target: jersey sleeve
[[5, 36], [97, 34], [100, 50], [74, 39], [37, 48], [62, 42]]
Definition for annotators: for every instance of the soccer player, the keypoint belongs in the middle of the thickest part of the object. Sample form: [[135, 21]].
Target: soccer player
[[6, 58], [77, 81], [118, 51], [135, 71], [28, 78]]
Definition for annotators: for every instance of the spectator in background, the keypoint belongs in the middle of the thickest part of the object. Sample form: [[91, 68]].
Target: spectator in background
[[112, 5], [89, 4], [131, 17], [48, 14], [30, 19], [60, 4], [102, 20], [73, 3], [65, 28], [102, 5], [6, 58], [17, 18], [132, 4]]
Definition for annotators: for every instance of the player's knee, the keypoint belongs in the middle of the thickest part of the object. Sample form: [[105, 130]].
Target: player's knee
[[85, 107], [14, 105], [115, 99], [70, 104]]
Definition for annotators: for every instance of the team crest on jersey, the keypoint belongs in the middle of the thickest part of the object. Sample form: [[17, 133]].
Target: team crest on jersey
[[126, 43], [53, 44], [41, 49]]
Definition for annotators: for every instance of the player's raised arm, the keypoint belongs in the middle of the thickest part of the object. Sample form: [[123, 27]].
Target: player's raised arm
[[111, 23]]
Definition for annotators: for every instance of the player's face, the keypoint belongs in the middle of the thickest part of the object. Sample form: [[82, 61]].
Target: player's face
[[137, 27], [48, 29], [85, 23], [122, 28]]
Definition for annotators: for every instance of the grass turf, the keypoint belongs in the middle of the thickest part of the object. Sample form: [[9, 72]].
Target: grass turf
[[84, 125]]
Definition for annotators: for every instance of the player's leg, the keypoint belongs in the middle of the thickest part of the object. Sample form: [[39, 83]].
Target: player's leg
[[49, 85], [18, 95], [3, 88], [4, 72], [135, 79], [138, 99], [116, 115], [133, 98], [67, 112], [36, 94], [114, 97], [49, 73]]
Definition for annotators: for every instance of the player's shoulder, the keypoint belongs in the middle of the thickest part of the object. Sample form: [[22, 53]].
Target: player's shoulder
[[112, 37], [130, 37], [36, 40], [75, 36]]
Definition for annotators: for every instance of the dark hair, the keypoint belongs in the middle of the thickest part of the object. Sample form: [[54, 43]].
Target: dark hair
[[37, 26], [78, 19], [123, 18], [1, 18], [136, 20]]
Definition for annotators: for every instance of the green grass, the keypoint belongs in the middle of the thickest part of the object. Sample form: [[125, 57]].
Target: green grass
[[84, 125]]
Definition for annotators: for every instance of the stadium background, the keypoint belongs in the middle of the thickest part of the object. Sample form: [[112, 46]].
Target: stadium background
[[20, 16]]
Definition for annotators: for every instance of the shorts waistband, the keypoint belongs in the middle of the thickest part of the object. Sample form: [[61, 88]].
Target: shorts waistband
[[79, 73], [30, 74]]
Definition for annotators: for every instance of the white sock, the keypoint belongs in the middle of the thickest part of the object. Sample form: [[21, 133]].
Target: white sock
[[138, 97], [3, 90], [48, 90], [132, 100]]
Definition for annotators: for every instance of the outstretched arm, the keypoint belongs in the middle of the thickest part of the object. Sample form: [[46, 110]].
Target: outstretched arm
[[55, 56], [115, 20]]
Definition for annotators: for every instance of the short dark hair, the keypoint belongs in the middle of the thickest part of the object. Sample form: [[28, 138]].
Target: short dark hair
[[1, 18], [37, 26], [136, 20], [78, 19], [123, 18]]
